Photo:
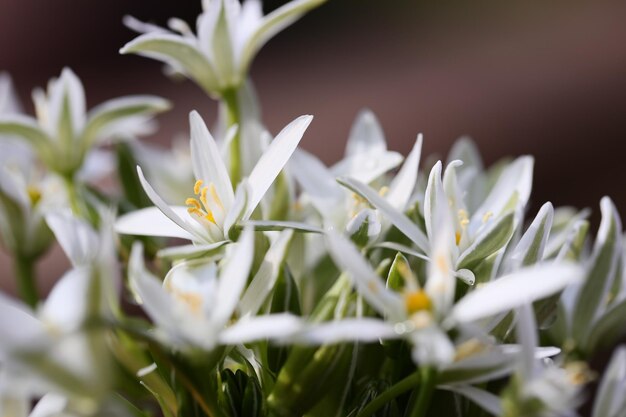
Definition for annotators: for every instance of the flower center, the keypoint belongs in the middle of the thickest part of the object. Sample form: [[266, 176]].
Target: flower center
[[34, 194], [417, 301], [200, 206]]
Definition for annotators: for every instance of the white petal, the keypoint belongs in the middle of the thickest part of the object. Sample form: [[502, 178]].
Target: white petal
[[610, 397], [516, 178], [431, 346], [514, 290], [66, 306], [368, 284], [273, 326], [488, 401], [233, 278], [265, 278], [271, 225], [273, 161], [534, 240], [208, 165], [18, 326], [348, 330], [317, 182], [367, 167], [401, 188], [50, 405], [165, 208], [77, 238], [366, 135], [402, 222], [150, 222], [190, 251], [526, 331]]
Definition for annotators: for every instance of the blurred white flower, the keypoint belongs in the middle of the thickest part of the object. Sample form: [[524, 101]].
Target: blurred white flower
[[228, 36], [63, 132], [196, 306]]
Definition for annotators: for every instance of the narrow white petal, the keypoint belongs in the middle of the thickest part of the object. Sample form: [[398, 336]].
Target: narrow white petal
[[368, 284], [150, 222], [190, 251], [317, 182], [264, 280], [273, 326], [77, 238], [398, 219], [208, 165], [233, 278], [610, 397], [401, 188], [50, 405], [348, 330], [366, 135], [165, 208], [526, 331], [271, 225], [18, 325], [488, 401], [367, 167], [514, 290], [273, 160], [66, 306]]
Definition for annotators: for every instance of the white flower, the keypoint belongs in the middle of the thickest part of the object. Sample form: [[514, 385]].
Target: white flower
[[216, 208], [229, 35], [367, 159], [424, 315], [610, 400], [64, 132], [197, 302]]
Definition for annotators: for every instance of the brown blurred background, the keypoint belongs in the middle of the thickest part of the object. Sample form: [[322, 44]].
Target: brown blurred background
[[520, 77]]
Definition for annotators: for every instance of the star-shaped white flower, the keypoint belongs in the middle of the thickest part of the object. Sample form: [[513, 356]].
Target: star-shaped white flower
[[210, 215], [228, 36]]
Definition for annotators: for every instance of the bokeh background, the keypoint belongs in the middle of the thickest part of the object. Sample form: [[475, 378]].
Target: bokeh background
[[520, 77]]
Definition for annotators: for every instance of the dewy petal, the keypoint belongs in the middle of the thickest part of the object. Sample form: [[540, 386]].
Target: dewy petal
[[317, 182], [511, 291], [77, 238], [348, 330], [150, 222], [398, 219], [368, 284], [274, 326], [265, 278], [401, 188], [273, 160], [208, 165], [166, 209], [233, 278], [366, 135]]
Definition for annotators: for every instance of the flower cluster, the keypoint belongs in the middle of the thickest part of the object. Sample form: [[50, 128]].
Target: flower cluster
[[240, 276]]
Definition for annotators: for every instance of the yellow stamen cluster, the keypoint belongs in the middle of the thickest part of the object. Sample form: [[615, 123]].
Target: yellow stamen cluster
[[34, 194], [199, 206], [417, 301]]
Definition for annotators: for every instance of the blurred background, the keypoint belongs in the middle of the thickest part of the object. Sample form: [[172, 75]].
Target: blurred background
[[520, 77]]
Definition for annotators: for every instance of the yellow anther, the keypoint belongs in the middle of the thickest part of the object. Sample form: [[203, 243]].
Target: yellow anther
[[383, 191], [196, 211], [192, 202], [487, 216], [457, 237], [215, 196], [34, 194], [197, 186], [468, 348], [578, 373], [417, 301], [209, 217]]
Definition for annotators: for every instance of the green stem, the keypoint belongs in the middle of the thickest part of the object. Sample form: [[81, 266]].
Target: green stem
[[389, 394], [233, 115], [72, 195], [429, 378], [26, 284]]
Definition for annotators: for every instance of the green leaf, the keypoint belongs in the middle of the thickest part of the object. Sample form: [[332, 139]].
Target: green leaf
[[180, 53], [399, 272], [488, 242], [601, 272], [127, 175]]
